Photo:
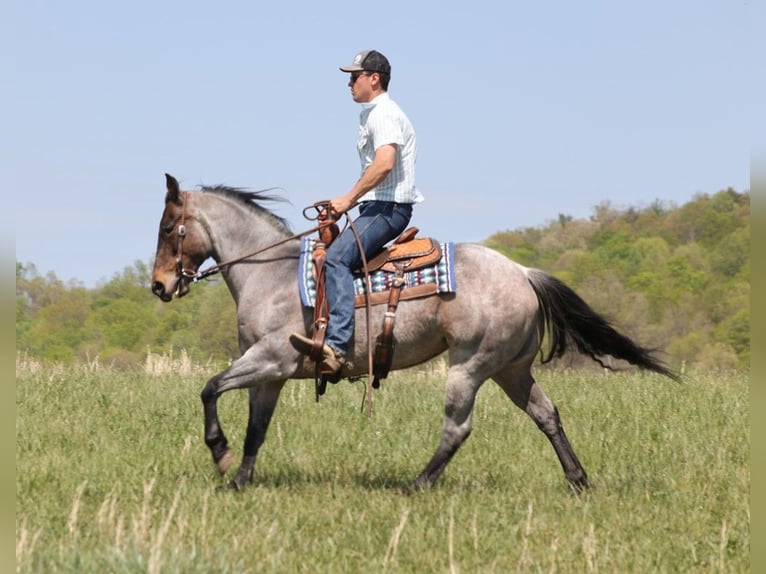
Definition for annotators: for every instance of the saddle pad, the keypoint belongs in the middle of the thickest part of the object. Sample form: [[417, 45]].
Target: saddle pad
[[441, 275]]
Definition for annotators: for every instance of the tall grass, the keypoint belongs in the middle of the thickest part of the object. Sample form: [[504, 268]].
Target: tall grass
[[112, 475]]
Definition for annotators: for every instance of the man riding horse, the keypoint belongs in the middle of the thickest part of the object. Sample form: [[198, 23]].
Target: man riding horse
[[385, 192]]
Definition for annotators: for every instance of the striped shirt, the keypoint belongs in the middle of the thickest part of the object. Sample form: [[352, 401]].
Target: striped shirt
[[383, 122]]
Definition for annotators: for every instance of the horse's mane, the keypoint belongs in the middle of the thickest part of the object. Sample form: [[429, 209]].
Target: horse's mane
[[252, 200]]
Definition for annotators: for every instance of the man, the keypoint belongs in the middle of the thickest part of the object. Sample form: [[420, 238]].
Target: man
[[385, 191]]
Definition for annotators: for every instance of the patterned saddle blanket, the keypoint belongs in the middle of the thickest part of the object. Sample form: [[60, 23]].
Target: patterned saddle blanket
[[437, 278]]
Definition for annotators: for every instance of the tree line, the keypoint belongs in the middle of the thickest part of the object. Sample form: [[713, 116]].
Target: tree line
[[676, 278]]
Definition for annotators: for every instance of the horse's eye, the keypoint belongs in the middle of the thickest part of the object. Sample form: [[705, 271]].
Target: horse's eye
[[167, 230]]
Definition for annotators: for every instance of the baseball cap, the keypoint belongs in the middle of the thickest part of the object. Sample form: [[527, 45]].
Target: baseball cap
[[368, 61]]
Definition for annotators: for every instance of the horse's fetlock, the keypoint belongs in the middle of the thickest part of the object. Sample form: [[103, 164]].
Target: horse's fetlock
[[218, 446]]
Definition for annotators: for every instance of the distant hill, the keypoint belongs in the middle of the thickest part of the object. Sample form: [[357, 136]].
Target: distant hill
[[677, 278]]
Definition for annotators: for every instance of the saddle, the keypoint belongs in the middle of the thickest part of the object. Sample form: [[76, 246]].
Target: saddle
[[406, 253]]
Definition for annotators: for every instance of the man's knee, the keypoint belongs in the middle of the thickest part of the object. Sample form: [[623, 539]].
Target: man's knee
[[342, 254]]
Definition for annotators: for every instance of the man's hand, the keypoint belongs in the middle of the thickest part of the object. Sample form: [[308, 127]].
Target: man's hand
[[340, 205]]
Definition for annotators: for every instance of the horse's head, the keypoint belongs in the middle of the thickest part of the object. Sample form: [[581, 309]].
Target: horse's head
[[182, 245]]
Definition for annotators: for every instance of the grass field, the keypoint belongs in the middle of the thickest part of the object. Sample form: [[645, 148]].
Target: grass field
[[112, 475]]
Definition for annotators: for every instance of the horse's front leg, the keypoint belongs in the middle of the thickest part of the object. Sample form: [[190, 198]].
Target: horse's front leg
[[263, 401], [263, 368], [214, 437]]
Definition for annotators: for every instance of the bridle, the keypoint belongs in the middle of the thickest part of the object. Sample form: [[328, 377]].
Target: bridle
[[181, 271]]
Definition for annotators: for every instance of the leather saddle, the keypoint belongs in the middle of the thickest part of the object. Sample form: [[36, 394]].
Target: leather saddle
[[406, 253]]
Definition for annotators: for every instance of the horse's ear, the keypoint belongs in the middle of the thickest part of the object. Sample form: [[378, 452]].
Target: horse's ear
[[174, 191]]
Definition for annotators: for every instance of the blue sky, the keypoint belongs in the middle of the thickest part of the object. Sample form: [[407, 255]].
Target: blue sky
[[523, 111]]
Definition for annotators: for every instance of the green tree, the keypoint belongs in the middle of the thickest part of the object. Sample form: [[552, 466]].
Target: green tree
[[120, 324], [58, 329], [515, 245], [734, 331], [217, 324], [730, 256]]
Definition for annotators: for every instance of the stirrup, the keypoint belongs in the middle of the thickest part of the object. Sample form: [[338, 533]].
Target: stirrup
[[331, 363]]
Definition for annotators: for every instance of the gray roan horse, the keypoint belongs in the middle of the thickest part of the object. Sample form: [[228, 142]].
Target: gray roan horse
[[491, 328]]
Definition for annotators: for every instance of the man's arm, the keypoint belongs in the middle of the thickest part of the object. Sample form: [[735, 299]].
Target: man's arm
[[381, 166]]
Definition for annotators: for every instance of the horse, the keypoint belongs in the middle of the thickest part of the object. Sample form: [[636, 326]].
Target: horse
[[491, 327]]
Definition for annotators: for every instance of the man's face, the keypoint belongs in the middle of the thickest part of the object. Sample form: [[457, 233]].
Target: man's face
[[361, 84]]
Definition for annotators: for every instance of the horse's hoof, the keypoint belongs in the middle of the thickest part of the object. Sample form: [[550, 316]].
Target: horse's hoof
[[415, 487], [224, 462], [235, 485], [230, 486], [579, 487]]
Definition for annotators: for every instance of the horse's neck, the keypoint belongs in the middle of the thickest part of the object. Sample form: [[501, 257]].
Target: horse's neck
[[236, 232]]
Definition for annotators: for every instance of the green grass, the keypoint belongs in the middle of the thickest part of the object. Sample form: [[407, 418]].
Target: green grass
[[112, 475]]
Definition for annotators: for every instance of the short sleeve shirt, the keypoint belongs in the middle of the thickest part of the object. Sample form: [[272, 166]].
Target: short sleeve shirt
[[383, 122]]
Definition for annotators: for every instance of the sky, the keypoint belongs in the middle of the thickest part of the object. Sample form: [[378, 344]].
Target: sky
[[523, 111]]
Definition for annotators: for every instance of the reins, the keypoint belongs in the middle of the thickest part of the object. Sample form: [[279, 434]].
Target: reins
[[217, 268], [195, 276]]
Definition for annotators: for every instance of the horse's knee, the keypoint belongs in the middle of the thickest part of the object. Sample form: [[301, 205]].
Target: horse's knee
[[209, 392]]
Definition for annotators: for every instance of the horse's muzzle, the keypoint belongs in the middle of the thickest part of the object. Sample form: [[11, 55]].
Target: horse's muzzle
[[158, 288], [180, 288]]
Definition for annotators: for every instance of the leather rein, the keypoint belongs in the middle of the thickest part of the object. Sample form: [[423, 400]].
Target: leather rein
[[196, 275]]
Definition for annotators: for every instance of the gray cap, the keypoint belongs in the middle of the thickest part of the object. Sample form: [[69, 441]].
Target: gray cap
[[368, 61]]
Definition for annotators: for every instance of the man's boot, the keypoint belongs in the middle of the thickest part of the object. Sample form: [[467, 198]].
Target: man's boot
[[332, 361]]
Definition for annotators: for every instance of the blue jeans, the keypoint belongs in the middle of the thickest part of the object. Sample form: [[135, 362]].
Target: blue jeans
[[378, 223]]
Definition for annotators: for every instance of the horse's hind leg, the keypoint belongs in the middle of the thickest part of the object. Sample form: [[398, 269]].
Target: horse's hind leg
[[520, 386], [461, 390]]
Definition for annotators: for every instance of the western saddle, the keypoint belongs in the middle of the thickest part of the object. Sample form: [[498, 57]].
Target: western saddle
[[406, 253]]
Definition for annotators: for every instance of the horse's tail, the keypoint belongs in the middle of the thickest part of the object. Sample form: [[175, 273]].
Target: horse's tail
[[569, 319]]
